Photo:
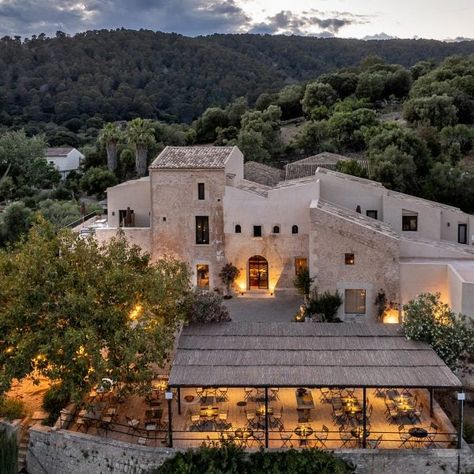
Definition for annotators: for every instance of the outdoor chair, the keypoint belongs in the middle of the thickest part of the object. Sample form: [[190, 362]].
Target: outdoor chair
[[274, 393], [325, 395], [277, 417], [322, 437], [339, 417], [248, 394], [223, 394], [258, 437], [406, 392], [417, 413], [380, 392], [195, 421], [404, 436], [286, 438], [432, 432], [347, 439], [374, 443]]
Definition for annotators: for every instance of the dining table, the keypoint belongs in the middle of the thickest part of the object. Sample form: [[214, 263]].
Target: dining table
[[304, 432], [351, 405], [243, 435], [260, 411], [209, 412], [404, 404]]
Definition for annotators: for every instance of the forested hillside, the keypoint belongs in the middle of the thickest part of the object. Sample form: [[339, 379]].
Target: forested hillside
[[120, 101], [94, 77]]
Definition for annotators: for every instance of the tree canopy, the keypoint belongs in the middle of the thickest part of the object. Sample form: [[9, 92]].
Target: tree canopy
[[76, 311]]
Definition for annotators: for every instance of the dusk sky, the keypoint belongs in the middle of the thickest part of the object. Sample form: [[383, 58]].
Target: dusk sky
[[439, 19]]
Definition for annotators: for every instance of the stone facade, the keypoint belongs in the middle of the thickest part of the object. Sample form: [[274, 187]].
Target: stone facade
[[375, 265], [174, 217], [365, 219]]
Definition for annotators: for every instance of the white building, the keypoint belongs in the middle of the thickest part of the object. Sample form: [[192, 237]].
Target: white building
[[353, 234], [64, 159]]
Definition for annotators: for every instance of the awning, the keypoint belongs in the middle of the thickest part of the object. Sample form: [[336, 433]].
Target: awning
[[305, 354]]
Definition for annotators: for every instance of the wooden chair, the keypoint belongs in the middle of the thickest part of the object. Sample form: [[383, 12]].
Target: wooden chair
[[404, 436], [417, 413], [223, 393], [374, 443], [347, 439], [432, 433], [274, 393], [278, 416], [248, 394], [286, 438], [322, 437], [325, 395]]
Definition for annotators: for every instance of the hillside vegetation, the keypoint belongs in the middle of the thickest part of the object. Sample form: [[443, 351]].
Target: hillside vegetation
[[412, 125], [82, 81]]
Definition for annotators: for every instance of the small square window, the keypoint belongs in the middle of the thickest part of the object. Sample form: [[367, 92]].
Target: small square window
[[349, 259], [410, 223], [372, 213], [257, 230]]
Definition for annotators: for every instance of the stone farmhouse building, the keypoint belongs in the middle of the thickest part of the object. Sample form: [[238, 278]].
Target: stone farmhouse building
[[353, 234]]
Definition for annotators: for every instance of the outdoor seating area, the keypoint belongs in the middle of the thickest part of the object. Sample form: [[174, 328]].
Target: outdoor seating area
[[274, 385], [328, 419], [132, 418]]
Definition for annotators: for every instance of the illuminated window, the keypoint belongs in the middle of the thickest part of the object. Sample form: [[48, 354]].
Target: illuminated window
[[349, 259], [202, 229], [300, 264], [202, 273], [354, 301]]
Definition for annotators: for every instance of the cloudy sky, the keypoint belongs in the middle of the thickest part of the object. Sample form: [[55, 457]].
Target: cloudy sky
[[440, 19]]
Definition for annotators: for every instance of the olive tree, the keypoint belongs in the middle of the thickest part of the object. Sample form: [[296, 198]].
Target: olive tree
[[75, 311]]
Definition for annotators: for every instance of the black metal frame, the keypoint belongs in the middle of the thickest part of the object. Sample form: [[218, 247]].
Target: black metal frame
[[364, 405]]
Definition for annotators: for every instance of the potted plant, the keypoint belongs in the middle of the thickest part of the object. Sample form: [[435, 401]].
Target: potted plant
[[228, 275]]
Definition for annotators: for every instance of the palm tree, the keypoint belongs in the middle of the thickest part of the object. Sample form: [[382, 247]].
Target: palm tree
[[140, 135], [110, 135]]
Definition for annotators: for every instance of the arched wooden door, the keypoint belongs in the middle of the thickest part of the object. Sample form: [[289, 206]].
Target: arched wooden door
[[258, 273]]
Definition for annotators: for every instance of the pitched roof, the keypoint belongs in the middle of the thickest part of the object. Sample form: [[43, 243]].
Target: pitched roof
[[295, 354], [262, 174], [58, 151], [192, 157]]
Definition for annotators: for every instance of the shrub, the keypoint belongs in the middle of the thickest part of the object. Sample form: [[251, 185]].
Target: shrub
[[228, 274], [468, 432], [230, 459], [303, 282], [429, 320], [326, 304], [11, 408], [54, 400], [206, 307], [8, 453]]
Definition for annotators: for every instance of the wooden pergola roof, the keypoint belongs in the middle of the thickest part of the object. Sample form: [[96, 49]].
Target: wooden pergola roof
[[305, 354]]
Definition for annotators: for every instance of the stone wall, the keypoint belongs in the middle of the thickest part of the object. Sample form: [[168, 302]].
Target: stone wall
[[376, 254], [135, 236], [60, 452]]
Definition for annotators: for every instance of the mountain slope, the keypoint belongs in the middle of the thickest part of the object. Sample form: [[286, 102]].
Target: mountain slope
[[122, 74]]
